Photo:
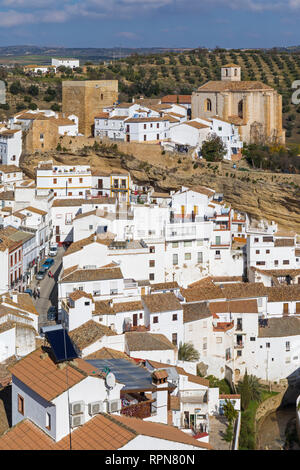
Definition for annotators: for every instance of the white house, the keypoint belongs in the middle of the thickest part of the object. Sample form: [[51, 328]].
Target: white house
[[65, 62], [10, 146]]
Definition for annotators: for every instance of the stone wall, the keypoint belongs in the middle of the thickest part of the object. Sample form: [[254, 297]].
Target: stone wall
[[87, 98]]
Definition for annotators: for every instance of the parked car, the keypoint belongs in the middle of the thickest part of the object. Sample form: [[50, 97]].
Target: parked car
[[52, 313], [41, 274], [48, 263], [28, 291], [53, 251]]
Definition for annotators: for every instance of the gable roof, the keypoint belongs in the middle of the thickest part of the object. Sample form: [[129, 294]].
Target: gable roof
[[234, 306], [164, 302], [144, 341], [89, 333], [86, 275], [195, 311], [221, 85], [41, 374]]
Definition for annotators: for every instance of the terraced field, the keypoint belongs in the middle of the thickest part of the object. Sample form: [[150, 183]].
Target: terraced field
[[155, 75]]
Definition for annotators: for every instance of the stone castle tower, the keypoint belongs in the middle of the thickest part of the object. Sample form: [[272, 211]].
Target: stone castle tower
[[86, 98], [253, 106]]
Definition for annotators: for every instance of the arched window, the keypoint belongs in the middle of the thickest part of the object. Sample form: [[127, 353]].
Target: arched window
[[235, 72], [240, 108], [208, 106]]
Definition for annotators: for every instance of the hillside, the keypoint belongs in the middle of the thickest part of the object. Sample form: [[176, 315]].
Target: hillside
[[157, 74], [272, 196]]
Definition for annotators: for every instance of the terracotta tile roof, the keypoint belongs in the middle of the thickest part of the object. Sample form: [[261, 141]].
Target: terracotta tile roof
[[144, 341], [7, 196], [164, 286], [108, 353], [103, 307], [39, 372], [234, 306], [195, 294], [99, 433], [244, 290], [231, 65], [24, 303], [161, 302], [8, 325], [86, 275], [222, 327], [127, 306], [159, 431], [89, 333], [78, 294], [280, 327], [102, 115], [100, 199], [195, 311], [284, 233], [196, 124], [277, 272], [85, 214], [229, 397], [160, 374], [76, 246], [34, 209], [227, 279], [233, 86], [203, 190], [283, 293], [10, 169], [204, 282], [145, 119], [174, 99], [67, 202]]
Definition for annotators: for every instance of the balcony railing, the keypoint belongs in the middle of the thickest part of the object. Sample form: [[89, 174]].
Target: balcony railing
[[140, 410]]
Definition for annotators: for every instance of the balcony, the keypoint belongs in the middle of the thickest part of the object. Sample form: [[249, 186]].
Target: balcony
[[238, 345], [141, 406]]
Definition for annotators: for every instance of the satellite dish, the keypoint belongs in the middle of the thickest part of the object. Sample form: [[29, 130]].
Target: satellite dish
[[110, 380]]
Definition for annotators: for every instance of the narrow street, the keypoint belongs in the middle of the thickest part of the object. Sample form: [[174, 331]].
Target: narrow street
[[48, 289]]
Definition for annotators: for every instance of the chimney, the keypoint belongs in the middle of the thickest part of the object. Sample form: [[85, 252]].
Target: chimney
[[160, 405]]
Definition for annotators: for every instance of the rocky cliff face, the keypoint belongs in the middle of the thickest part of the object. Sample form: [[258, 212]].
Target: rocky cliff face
[[262, 195]]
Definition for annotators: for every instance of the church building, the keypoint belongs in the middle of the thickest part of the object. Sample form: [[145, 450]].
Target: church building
[[253, 106]]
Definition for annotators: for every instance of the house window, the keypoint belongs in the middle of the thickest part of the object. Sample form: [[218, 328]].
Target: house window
[[218, 339], [257, 252], [267, 345], [86, 303], [256, 240], [157, 125], [145, 126], [285, 261], [70, 180], [175, 244], [174, 338], [260, 263], [200, 257], [218, 254], [175, 259], [187, 243], [151, 276], [155, 319], [152, 249], [208, 105], [80, 180], [268, 252], [287, 346], [41, 136], [157, 136], [175, 317], [151, 263], [252, 338], [239, 353], [188, 256], [55, 181], [48, 421], [145, 137], [276, 262], [20, 405], [141, 316]]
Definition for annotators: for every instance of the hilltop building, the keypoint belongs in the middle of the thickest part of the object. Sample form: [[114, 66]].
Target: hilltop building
[[85, 98], [253, 106]]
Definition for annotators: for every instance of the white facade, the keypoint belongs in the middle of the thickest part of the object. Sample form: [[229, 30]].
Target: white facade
[[72, 63], [10, 146]]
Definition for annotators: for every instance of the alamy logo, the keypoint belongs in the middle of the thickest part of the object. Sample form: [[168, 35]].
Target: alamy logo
[[296, 94], [2, 93]]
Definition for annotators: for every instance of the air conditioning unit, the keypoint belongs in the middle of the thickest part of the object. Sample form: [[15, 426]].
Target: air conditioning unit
[[97, 407], [76, 407], [114, 406], [77, 421]]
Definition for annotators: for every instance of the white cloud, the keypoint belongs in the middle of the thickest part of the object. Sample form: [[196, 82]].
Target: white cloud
[[17, 12]]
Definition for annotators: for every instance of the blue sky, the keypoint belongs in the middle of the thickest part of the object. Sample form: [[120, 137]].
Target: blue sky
[[146, 23]]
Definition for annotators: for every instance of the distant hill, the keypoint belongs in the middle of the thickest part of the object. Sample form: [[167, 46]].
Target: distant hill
[[154, 72]]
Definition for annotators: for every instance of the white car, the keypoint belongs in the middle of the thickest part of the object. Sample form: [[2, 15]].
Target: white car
[[53, 251]]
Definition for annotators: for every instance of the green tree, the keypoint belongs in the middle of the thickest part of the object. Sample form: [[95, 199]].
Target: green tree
[[33, 90], [187, 352], [245, 392], [230, 412], [16, 88], [213, 149], [228, 435]]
